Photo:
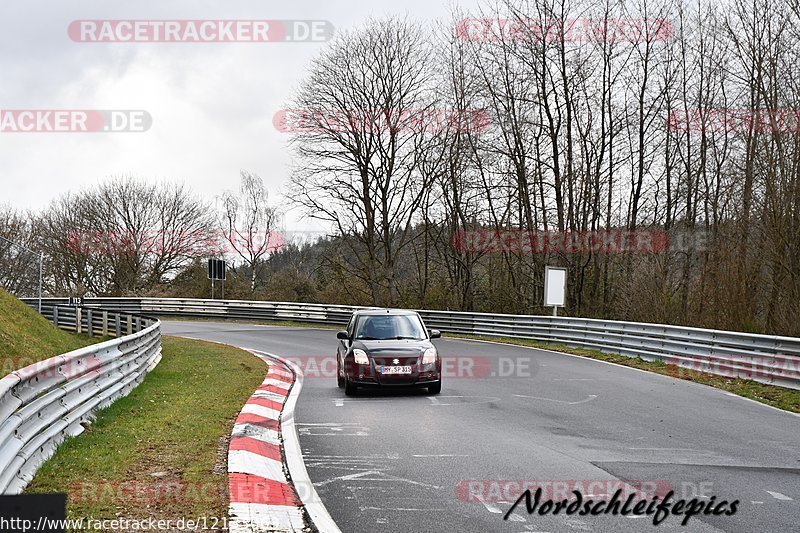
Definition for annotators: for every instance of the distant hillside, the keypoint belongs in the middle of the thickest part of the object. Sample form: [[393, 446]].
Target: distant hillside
[[27, 337]]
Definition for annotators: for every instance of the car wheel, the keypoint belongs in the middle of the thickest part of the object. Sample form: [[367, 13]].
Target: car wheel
[[349, 388], [339, 378], [436, 388]]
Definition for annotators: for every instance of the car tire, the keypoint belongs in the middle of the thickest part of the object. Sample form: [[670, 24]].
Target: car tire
[[436, 388], [339, 378], [349, 388]]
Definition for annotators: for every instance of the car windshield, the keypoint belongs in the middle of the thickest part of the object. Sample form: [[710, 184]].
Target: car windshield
[[385, 327]]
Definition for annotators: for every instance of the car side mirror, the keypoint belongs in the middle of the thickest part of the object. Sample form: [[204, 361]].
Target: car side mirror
[[435, 334], [342, 335]]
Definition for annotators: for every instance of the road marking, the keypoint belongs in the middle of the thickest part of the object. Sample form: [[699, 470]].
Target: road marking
[[688, 383], [489, 507], [478, 399], [435, 400], [387, 477], [589, 399], [670, 450], [327, 424], [442, 455], [580, 525], [396, 509], [347, 477], [370, 400], [779, 496], [753, 501], [496, 510], [351, 429]]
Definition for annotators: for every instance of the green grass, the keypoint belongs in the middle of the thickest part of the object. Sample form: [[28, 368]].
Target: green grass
[[27, 337], [780, 397], [161, 451]]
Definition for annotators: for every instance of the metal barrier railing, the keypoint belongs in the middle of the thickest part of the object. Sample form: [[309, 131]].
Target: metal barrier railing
[[43, 403], [764, 358]]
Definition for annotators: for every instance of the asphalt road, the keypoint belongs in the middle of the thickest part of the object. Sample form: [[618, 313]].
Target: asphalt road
[[404, 461]]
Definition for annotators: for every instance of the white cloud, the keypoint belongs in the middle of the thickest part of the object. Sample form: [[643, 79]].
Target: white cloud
[[212, 104]]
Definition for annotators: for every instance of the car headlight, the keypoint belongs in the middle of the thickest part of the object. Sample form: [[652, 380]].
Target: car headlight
[[429, 357], [361, 357]]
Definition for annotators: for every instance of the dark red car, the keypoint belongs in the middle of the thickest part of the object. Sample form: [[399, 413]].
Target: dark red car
[[387, 347]]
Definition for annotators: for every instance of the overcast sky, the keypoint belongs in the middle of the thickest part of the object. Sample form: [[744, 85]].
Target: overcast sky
[[212, 103]]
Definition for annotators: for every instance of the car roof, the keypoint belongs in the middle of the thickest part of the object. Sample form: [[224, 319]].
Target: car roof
[[386, 311]]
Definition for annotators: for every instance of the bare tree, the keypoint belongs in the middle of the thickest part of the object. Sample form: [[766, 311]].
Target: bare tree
[[249, 223], [125, 236], [18, 246], [368, 107]]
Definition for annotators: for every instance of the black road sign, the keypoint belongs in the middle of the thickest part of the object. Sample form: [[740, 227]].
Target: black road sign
[[216, 269], [75, 301]]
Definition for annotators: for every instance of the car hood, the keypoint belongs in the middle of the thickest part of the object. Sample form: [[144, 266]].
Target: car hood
[[393, 347]]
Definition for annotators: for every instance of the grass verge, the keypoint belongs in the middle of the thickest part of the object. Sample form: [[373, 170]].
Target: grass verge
[[780, 397], [161, 451], [27, 337]]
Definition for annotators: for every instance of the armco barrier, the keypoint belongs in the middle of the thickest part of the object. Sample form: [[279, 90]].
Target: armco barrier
[[43, 403], [764, 358]]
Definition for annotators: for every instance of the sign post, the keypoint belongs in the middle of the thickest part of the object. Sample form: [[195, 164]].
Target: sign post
[[555, 288], [217, 271]]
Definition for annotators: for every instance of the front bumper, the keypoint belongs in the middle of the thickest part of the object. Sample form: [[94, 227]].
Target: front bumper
[[369, 375]]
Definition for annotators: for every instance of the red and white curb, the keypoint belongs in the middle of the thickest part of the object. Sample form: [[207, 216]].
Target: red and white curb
[[265, 447]]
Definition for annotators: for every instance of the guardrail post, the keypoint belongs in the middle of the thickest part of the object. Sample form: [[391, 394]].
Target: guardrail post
[[130, 324], [55, 316], [105, 323], [89, 323], [77, 320], [118, 326]]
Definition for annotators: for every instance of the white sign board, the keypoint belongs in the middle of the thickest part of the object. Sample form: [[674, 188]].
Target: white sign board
[[555, 286]]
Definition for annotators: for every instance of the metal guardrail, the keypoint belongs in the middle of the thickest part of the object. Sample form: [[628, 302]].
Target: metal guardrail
[[764, 358], [45, 402]]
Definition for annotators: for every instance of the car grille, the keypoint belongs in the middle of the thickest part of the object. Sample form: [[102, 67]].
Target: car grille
[[387, 361]]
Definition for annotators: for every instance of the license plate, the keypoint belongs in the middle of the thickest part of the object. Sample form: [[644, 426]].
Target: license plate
[[395, 370]]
